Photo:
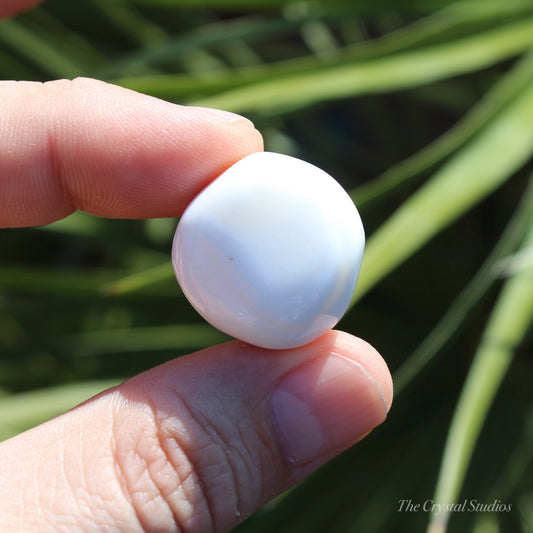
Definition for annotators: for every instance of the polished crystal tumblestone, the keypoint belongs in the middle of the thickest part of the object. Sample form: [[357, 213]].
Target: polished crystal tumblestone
[[270, 251]]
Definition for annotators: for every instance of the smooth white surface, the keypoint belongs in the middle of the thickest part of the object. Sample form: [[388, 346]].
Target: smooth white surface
[[270, 251]]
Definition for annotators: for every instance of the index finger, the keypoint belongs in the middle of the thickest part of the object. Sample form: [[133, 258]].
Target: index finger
[[86, 144]]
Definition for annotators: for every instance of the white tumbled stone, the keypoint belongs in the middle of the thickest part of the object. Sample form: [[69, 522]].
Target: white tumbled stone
[[270, 251]]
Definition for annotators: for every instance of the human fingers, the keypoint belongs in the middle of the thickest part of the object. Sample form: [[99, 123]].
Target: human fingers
[[197, 444], [85, 144], [10, 7]]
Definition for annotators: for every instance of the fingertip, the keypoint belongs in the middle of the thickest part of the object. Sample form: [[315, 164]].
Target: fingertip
[[333, 398], [367, 356]]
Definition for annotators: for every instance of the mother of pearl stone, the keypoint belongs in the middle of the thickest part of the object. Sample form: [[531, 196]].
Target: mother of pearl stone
[[270, 251]]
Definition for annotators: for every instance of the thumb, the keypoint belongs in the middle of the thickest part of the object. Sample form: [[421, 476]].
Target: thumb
[[197, 444]]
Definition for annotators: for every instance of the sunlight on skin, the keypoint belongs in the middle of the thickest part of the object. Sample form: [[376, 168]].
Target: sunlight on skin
[[201, 442]]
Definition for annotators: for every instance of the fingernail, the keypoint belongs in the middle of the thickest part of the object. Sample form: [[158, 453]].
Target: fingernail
[[220, 114], [324, 406]]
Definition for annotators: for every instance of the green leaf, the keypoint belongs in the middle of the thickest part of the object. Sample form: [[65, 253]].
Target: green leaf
[[482, 165], [139, 280], [508, 87], [457, 313], [51, 31], [362, 6], [220, 4], [445, 28], [79, 282], [173, 337], [37, 50], [388, 73], [22, 411], [214, 36], [509, 322], [132, 23], [56, 281]]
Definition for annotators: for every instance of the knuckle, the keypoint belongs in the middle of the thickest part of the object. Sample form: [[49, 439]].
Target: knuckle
[[184, 469]]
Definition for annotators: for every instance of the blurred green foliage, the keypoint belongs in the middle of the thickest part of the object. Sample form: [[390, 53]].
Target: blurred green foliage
[[424, 112]]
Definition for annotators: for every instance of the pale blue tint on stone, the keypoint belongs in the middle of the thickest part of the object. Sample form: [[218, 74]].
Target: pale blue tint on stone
[[270, 251]]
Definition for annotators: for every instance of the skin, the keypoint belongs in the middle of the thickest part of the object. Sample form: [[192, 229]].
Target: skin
[[202, 442]]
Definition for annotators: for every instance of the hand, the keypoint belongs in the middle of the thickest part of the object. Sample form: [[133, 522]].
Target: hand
[[200, 443]]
